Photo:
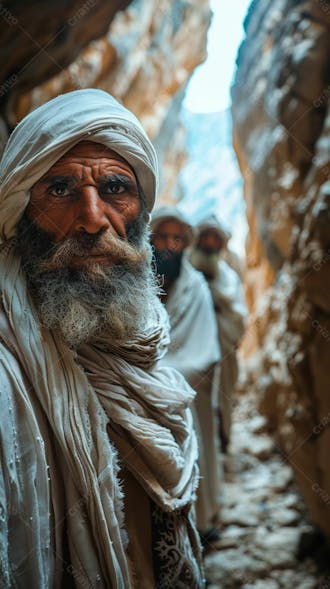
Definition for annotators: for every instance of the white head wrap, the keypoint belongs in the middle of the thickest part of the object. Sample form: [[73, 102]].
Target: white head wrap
[[213, 222], [51, 130], [167, 213]]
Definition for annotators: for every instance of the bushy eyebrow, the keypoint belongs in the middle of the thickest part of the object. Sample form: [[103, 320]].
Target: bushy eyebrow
[[127, 180], [49, 180], [57, 179]]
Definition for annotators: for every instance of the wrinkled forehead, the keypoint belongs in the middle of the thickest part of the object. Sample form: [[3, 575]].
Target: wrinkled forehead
[[89, 150]]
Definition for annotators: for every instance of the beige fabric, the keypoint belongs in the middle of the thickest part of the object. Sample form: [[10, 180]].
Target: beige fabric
[[78, 395], [138, 524], [230, 309], [48, 132], [194, 350]]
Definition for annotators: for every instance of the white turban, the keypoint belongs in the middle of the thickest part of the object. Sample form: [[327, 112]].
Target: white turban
[[168, 213], [51, 130], [213, 222]]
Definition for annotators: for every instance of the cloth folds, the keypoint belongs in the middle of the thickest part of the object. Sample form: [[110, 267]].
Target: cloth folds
[[194, 350], [230, 309], [59, 405]]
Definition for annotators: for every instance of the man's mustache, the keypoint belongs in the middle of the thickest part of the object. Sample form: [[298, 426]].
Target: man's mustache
[[104, 244]]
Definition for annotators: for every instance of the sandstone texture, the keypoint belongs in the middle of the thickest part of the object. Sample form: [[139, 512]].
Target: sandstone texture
[[38, 40], [282, 140], [144, 55]]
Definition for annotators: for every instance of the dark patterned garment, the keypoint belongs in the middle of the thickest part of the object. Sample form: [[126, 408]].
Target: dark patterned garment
[[176, 550]]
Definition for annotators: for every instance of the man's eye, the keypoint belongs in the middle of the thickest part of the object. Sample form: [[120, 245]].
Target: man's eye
[[59, 190], [113, 188]]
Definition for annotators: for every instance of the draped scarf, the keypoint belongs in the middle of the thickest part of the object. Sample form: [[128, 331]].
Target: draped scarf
[[194, 344], [82, 394]]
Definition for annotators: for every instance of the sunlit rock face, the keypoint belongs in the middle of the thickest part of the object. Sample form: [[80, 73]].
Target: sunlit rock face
[[39, 39], [282, 139], [145, 60]]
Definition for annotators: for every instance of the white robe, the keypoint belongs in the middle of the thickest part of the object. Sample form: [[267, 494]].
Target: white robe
[[194, 351], [230, 309], [57, 464]]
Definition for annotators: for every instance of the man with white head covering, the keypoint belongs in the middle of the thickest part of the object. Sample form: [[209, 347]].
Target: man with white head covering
[[98, 454], [194, 348], [228, 298]]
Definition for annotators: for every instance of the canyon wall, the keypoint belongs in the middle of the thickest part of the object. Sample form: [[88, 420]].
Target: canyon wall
[[144, 57], [281, 136], [38, 40]]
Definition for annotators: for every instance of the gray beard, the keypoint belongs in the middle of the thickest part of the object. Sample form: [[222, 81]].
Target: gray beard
[[80, 304], [208, 264]]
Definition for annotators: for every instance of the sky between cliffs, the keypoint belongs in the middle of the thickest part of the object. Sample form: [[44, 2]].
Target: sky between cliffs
[[209, 87]]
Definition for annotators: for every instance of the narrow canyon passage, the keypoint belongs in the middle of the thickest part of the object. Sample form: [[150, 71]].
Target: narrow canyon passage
[[267, 540], [261, 164]]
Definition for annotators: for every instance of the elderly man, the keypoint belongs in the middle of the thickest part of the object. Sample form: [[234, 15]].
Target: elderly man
[[227, 293], [98, 455], [194, 348]]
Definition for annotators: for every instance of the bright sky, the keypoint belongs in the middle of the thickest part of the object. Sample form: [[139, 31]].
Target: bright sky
[[208, 89]]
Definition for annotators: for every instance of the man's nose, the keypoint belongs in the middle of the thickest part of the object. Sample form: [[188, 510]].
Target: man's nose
[[171, 243], [92, 212], [208, 241]]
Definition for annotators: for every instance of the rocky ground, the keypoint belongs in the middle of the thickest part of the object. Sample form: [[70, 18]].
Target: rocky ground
[[266, 539]]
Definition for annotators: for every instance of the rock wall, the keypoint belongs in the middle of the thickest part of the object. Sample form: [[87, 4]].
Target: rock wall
[[281, 136], [38, 40], [144, 59]]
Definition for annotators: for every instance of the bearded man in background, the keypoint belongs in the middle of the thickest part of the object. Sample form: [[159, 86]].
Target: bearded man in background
[[228, 298], [193, 350], [98, 454]]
